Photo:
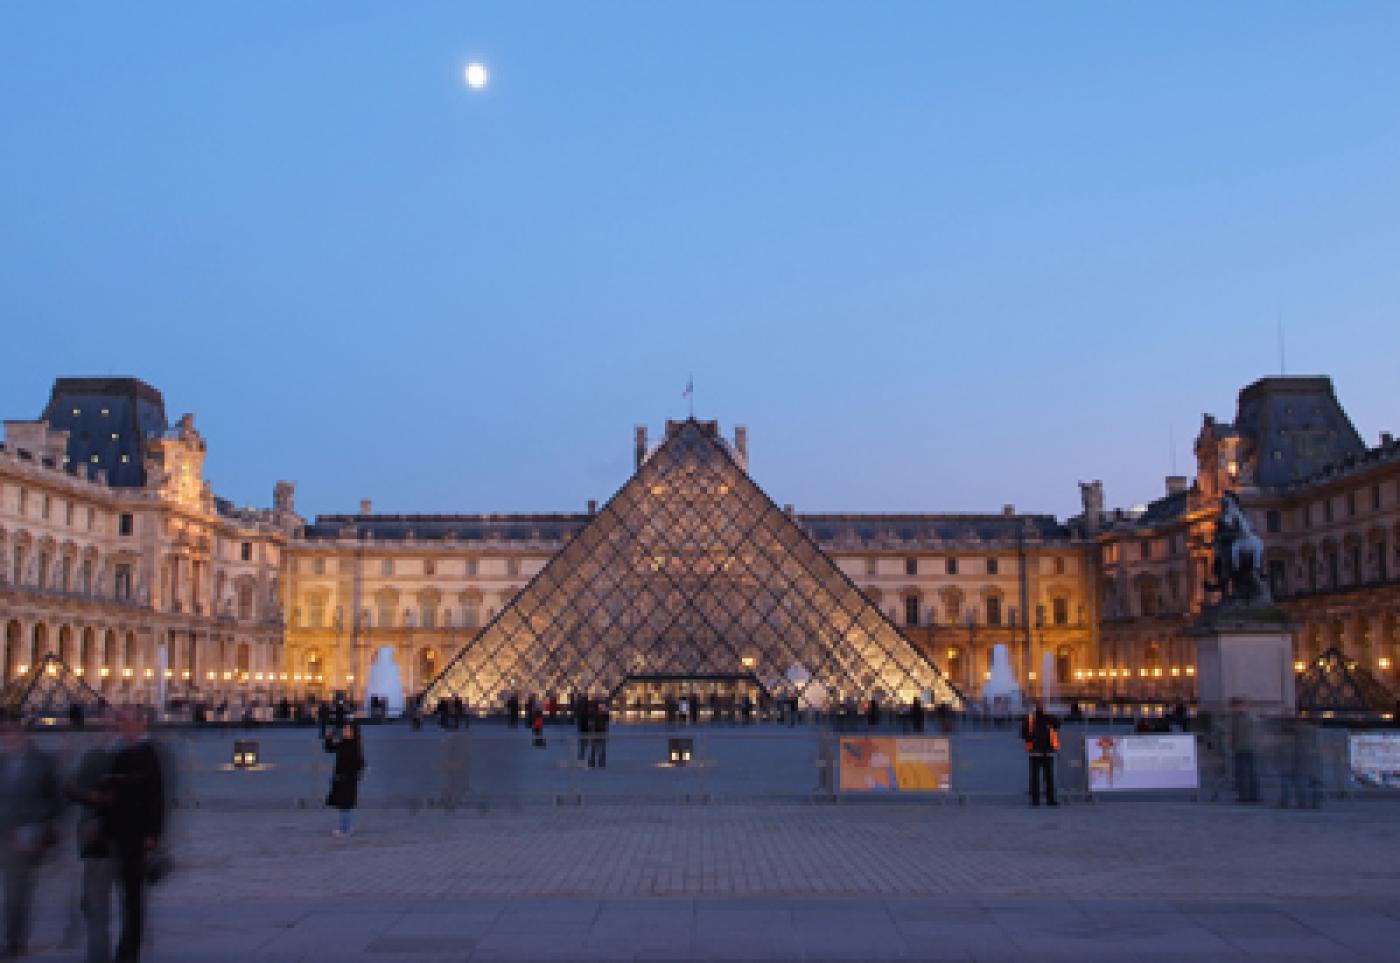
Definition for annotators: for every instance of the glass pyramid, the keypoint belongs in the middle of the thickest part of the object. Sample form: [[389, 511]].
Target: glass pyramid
[[49, 689], [690, 570]]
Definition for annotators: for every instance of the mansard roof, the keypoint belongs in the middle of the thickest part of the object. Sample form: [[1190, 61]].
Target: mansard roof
[[890, 530], [896, 530], [106, 419], [1297, 426], [477, 528], [1165, 509]]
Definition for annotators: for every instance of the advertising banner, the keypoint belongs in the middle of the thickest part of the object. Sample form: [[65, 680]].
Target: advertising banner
[[1375, 759], [1118, 763], [896, 764]]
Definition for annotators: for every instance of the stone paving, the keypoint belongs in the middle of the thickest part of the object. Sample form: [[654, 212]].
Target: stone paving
[[1113, 880]]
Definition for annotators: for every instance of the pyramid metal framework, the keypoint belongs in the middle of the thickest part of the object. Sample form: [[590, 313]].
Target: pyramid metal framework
[[49, 688], [1335, 683], [691, 570]]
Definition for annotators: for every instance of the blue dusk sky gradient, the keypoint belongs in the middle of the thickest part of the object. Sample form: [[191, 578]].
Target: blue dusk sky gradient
[[936, 256]]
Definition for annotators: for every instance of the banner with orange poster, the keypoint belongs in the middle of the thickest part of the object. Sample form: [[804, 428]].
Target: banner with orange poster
[[896, 764]]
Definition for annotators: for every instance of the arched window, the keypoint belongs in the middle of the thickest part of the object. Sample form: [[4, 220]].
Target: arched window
[[954, 655], [1064, 663], [39, 644], [13, 656], [1059, 609], [87, 654]]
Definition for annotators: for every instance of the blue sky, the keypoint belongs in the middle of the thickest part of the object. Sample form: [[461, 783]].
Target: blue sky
[[935, 256]]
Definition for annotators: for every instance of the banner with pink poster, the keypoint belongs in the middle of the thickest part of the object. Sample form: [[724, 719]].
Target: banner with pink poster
[[1121, 763]]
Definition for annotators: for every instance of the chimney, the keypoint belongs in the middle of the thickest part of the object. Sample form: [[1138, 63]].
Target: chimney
[[1008, 509], [1386, 439], [1176, 484], [366, 506], [593, 506], [787, 509], [641, 445], [741, 445]]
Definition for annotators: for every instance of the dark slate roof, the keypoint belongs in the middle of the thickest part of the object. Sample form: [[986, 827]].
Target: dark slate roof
[[1166, 509], [134, 412], [836, 528], [546, 527], [825, 529], [1297, 426]]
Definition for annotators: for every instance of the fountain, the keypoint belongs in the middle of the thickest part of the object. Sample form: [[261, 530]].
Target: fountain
[[1001, 684], [1047, 677], [385, 681]]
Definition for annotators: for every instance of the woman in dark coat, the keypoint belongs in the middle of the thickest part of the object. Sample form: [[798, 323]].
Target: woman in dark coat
[[345, 777]]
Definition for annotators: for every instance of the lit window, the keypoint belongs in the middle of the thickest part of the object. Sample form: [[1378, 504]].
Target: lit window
[[114, 436], [77, 412], [93, 459], [104, 412], [126, 459]]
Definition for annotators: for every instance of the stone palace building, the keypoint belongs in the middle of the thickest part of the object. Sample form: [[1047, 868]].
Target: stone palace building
[[116, 555]]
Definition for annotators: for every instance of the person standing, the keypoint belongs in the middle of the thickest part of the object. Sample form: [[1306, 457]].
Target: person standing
[[133, 820], [1040, 734], [91, 788], [345, 776], [28, 809], [583, 721], [1242, 751], [598, 731]]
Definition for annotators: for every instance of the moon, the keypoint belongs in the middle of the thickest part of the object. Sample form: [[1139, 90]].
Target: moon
[[476, 75]]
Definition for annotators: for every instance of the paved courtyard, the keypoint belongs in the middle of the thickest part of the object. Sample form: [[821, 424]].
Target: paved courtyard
[[755, 881]]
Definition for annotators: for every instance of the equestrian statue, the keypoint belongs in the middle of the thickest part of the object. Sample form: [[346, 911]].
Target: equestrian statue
[[1238, 557]]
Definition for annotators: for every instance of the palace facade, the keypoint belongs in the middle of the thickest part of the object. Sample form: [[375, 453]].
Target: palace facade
[[116, 555]]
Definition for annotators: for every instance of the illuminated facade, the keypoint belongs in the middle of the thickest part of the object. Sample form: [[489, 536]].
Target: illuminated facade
[[115, 554], [1327, 507]]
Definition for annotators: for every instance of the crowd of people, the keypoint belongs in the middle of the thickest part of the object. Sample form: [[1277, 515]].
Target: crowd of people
[[120, 789]]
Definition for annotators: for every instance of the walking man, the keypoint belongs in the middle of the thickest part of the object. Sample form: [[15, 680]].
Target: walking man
[[1040, 734], [28, 808], [133, 821]]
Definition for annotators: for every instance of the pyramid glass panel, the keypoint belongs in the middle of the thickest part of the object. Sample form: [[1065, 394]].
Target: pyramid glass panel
[[690, 570]]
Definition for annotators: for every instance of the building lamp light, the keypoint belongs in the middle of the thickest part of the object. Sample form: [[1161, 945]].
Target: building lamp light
[[1299, 666], [126, 673]]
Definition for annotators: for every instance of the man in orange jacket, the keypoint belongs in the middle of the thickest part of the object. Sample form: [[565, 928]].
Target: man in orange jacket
[[1040, 733]]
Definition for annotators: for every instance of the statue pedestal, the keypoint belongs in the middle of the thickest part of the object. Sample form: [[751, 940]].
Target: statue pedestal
[[1245, 653]]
